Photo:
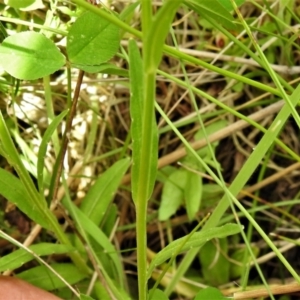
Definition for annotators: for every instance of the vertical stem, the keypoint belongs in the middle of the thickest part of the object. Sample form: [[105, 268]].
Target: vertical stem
[[146, 131]]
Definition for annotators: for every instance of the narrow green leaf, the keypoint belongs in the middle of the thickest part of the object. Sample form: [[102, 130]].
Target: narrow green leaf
[[136, 113], [30, 55], [94, 231], [43, 278], [215, 10], [99, 196], [196, 240], [172, 194], [19, 257], [154, 41], [192, 194], [43, 148], [92, 40], [13, 190]]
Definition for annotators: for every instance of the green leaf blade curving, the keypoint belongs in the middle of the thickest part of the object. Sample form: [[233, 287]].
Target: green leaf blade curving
[[196, 240]]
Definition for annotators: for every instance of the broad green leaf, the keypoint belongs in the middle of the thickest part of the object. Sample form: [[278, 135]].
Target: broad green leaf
[[30, 55], [96, 233], [210, 293], [211, 194], [154, 42], [213, 9], [172, 194], [43, 278], [19, 257], [236, 267], [96, 202], [18, 3], [13, 190], [214, 263], [192, 194], [136, 112], [43, 148], [92, 40], [158, 295], [198, 239]]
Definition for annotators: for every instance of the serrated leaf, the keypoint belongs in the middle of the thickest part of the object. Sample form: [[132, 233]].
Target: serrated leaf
[[210, 293], [99, 196], [92, 40], [30, 55], [196, 240], [19, 257], [172, 194], [13, 190], [192, 194], [136, 112], [43, 278]]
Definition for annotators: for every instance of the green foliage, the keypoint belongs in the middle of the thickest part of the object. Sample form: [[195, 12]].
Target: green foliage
[[210, 293], [196, 240], [136, 112], [182, 185], [154, 40], [19, 3], [41, 277], [215, 9], [43, 149], [12, 189], [96, 202], [30, 55], [214, 263], [19, 257], [92, 40], [237, 269], [158, 295]]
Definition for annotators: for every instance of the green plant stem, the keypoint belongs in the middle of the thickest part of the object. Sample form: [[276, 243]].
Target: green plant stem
[[144, 191]]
